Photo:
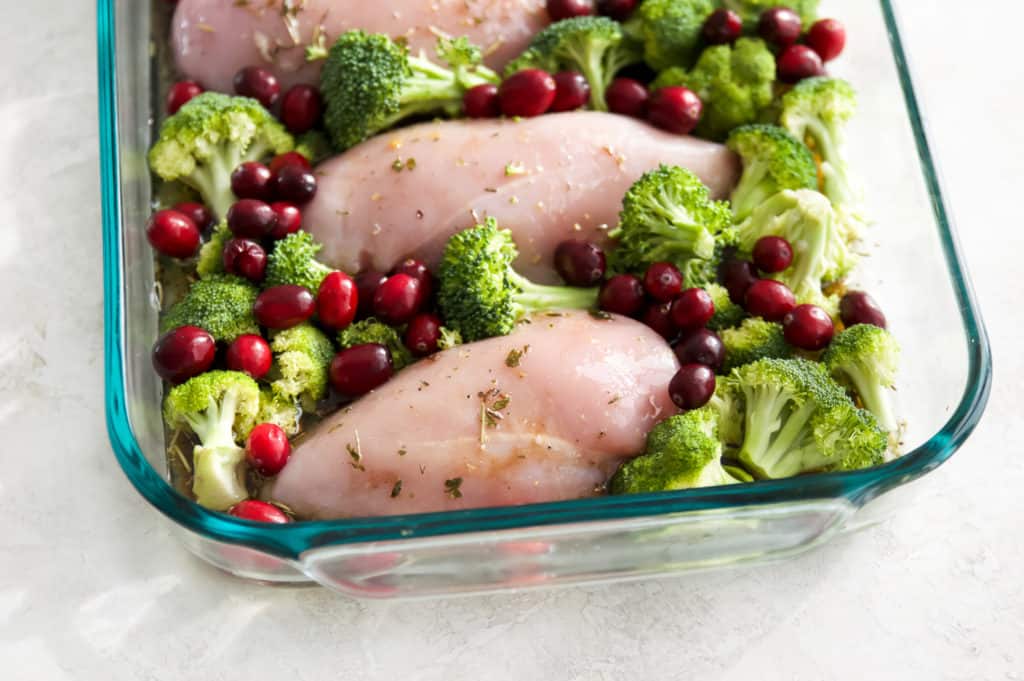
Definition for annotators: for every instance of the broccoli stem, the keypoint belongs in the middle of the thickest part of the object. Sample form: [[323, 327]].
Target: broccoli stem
[[750, 192], [836, 183], [218, 482], [537, 297], [874, 395], [213, 178], [783, 457], [763, 418]]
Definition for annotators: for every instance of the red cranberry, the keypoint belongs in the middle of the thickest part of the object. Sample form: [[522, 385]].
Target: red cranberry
[[827, 37], [769, 299], [580, 263], [288, 158], [249, 354], [566, 9], [259, 512], [772, 254], [857, 307], [423, 334], [397, 299], [658, 316], [267, 448], [180, 93], [627, 96], [337, 301], [289, 219], [622, 294], [285, 306], [737, 276], [173, 234], [258, 83], [482, 101], [295, 184], [798, 62], [182, 353], [692, 386], [367, 283], [808, 327], [300, 108], [617, 9], [251, 219], [527, 93], [417, 269], [693, 309], [701, 346], [722, 27], [361, 368], [780, 26], [675, 109], [251, 180], [197, 212], [663, 281], [244, 258], [572, 91]]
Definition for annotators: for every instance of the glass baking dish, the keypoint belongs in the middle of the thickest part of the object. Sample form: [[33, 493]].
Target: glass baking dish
[[915, 270]]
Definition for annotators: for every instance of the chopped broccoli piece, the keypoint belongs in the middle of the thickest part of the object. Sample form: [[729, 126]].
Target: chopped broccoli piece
[[594, 46], [734, 83], [280, 410], [667, 215], [449, 338], [670, 30], [727, 401], [314, 145], [220, 303], [727, 313], [293, 261], [773, 160], [211, 255], [866, 358], [701, 272], [375, 331], [750, 10], [209, 137], [371, 83], [302, 355], [682, 452], [220, 407], [481, 296], [848, 438], [752, 340]]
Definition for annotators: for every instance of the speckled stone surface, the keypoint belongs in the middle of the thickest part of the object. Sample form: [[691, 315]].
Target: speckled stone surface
[[92, 586]]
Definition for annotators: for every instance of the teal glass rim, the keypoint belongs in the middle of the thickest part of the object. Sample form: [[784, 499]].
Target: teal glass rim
[[290, 541]]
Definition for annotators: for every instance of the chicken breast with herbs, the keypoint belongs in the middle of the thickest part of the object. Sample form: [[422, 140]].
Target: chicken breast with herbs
[[546, 413]]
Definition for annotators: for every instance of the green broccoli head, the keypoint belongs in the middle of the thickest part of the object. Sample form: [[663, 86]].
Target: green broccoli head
[[375, 331], [865, 358], [670, 30], [293, 261], [220, 303], [282, 411], [750, 10], [211, 255], [848, 438], [735, 83], [209, 137], [682, 452], [773, 160], [302, 355], [220, 407], [752, 340], [594, 46], [481, 296], [667, 215], [727, 313], [816, 112], [370, 83]]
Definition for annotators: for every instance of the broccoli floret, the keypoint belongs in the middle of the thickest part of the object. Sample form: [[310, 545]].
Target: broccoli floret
[[293, 261], [209, 137], [752, 340], [670, 30], [220, 407], [727, 402], [221, 304], [700, 272], [734, 83], [816, 112], [682, 452], [848, 438], [375, 331], [594, 46], [449, 338], [866, 358], [806, 220], [314, 145], [211, 255], [480, 295], [750, 10], [773, 160], [371, 83], [280, 410], [667, 215], [302, 355], [727, 313]]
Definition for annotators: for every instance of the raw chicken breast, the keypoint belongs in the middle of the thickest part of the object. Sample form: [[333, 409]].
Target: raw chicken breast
[[213, 39], [570, 396], [547, 179]]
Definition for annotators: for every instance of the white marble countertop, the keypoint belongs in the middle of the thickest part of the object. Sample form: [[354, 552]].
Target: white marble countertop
[[93, 587]]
